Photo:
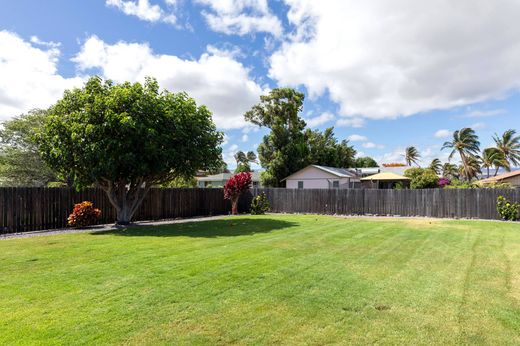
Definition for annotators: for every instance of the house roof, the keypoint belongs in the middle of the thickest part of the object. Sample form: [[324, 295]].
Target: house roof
[[501, 177], [385, 176], [255, 176], [338, 172]]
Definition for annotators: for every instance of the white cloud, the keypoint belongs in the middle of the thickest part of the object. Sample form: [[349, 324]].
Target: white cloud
[[218, 81], [245, 138], [427, 155], [371, 145], [484, 114], [29, 75], [478, 126], [442, 133], [350, 122], [226, 139], [357, 138], [384, 59], [241, 17], [50, 44], [143, 10], [319, 120]]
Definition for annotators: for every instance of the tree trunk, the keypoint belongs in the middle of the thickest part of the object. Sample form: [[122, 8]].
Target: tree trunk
[[125, 198], [234, 206]]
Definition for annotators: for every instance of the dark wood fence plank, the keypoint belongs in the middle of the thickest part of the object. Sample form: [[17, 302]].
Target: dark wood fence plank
[[30, 209]]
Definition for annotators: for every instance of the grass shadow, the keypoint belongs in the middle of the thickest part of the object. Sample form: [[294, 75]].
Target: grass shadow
[[207, 229]]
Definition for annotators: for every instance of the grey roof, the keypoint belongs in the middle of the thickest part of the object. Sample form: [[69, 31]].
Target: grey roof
[[255, 176], [340, 172]]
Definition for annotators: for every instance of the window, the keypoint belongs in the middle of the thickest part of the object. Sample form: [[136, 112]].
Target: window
[[335, 184], [300, 184]]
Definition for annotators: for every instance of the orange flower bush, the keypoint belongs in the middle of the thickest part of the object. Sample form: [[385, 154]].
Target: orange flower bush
[[84, 214], [394, 164]]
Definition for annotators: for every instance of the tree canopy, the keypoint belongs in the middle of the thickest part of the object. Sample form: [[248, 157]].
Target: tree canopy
[[290, 146], [20, 163], [127, 137], [365, 162]]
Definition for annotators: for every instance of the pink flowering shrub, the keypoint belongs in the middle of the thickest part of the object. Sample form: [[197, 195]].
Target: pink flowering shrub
[[443, 182], [234, 187]]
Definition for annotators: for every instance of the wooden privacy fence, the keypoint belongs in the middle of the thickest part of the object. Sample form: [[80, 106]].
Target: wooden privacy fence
[[32, 209], [443, 203]]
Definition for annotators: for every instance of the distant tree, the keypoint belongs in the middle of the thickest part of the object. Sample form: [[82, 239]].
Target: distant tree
[[234, 187], [450, 170], [465, 143], [324, 149], [493, 157], [435, 166], [411, 155], [422, 178], [509, 145], [128, 137], [365, 162], [244, 161], [181, 182], [220, 168], [471, 169], [282, 151], [289, 147], [20, 163]]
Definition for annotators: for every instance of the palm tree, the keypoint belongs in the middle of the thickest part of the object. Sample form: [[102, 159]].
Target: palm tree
[[411, 155], [251, 156], [435, 166], [493, 157], [465, 142], [471, 169], [509, 145], [449, 170]]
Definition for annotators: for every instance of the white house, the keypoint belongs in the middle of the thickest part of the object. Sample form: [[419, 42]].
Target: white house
[[321, 177], [219, 180]]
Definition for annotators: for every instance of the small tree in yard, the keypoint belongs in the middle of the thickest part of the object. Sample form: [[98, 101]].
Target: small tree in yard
[[126, 138], [234, 187]]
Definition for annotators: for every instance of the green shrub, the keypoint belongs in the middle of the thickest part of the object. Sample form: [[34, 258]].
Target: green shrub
[[507, 209], [422, 178], [259, 205]]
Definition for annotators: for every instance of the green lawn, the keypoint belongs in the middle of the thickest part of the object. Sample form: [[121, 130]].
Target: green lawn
[[266, 280]]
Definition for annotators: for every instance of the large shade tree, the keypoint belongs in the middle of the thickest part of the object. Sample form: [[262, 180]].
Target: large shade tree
[[465, 143], [126, 138]]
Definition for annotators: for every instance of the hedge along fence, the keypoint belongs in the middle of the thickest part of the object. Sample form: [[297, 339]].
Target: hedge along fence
[[33, 209], [442, 203]]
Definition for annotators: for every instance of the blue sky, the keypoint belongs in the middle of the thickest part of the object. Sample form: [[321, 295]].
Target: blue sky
[[385, 74]]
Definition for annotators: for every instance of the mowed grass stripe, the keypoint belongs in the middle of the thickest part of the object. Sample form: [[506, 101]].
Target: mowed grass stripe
[[285, 279]]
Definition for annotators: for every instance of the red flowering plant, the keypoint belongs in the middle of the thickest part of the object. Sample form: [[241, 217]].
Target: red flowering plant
[[234, 187], [83, 214]]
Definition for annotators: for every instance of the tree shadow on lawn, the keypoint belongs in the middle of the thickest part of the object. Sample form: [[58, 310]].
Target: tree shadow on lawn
[[206, 229]]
